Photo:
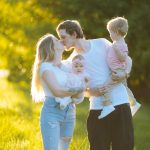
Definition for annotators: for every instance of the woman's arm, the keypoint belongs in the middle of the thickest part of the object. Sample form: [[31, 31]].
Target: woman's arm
[[54, 86]]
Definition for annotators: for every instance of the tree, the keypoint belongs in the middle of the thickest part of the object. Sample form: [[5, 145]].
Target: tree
[[24, 22]]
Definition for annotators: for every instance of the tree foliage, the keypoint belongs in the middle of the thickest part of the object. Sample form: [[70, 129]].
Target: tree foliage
[[23, 22]]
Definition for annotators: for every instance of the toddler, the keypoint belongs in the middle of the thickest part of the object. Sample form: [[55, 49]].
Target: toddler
[[117, 61], [77, 79]]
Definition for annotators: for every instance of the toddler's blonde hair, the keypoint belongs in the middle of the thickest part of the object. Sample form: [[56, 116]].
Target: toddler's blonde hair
[[118, 25]]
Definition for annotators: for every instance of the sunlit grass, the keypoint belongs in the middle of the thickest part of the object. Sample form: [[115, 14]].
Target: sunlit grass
[[19, 122], [142, 128], [19, 119]]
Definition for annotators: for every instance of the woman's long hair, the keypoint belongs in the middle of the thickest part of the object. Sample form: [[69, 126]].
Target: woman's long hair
[[44, 53]]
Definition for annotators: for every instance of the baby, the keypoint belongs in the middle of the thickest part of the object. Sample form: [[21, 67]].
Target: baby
[[117, 61], [77, 79]]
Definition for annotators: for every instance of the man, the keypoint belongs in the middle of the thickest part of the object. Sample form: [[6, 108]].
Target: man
[[116, 128]]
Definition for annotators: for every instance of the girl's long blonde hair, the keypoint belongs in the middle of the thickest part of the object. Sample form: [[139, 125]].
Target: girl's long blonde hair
[[44, 53]]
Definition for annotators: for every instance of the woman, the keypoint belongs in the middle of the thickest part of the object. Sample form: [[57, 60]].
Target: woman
[[48, 81]]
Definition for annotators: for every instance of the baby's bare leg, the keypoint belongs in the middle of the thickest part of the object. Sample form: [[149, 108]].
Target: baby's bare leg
[[63, 101]]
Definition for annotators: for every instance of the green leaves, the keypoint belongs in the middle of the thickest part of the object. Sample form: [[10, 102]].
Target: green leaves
[[24, 22]]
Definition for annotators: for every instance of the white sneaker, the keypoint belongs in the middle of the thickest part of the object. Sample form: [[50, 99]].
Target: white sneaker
[[106, 111], [135, 108]]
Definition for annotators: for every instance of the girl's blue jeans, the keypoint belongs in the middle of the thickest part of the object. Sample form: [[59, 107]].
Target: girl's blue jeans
[[56, 125]]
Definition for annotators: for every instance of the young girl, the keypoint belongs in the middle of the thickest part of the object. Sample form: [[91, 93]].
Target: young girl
[[117, 61], [76, 79]]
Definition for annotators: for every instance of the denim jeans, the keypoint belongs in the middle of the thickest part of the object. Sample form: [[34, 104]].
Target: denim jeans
[[56, 125]]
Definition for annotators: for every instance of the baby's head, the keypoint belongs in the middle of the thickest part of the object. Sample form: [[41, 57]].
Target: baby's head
[[117, 27], [78, 64]]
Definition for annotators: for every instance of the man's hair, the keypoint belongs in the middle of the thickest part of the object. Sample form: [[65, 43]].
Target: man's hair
[[119, 25], [80, 57], [71, 26]]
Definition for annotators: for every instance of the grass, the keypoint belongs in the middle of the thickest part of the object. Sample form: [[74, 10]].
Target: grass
[[19, 122]]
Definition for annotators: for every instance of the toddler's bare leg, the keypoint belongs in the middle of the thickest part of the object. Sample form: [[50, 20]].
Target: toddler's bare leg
[[106, 99], [107, 105], [134, 105], [130, 94]]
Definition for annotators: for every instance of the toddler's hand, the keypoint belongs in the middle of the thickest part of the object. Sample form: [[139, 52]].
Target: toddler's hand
[[117, 77]]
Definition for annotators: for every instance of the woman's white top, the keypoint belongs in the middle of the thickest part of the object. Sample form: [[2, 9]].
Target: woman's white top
[[60, 75]]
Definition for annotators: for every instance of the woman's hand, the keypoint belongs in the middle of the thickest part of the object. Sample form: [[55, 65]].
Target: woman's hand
[[79, 95], [76, 89]]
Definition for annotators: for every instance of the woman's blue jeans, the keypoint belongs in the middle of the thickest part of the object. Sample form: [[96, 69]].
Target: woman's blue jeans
[[56, 125]]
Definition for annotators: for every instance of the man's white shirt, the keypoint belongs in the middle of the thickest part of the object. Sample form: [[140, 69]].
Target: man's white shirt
[[99, 71]]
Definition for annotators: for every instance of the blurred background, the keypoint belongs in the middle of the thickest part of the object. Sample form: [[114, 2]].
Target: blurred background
[[23, 22]]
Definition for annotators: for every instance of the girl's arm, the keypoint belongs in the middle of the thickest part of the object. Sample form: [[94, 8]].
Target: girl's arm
[[121, 55], [54, 86], [126, 74]]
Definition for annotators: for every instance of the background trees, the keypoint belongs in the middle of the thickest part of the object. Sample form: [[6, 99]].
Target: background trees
[[22, 22]]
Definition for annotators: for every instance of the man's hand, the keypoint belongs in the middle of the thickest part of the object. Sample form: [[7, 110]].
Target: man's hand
[[98, 91]]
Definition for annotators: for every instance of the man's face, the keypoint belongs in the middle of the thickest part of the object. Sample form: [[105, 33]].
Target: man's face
[[67, 39]]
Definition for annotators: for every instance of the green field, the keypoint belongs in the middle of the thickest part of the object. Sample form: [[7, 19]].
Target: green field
[[19, 122]]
